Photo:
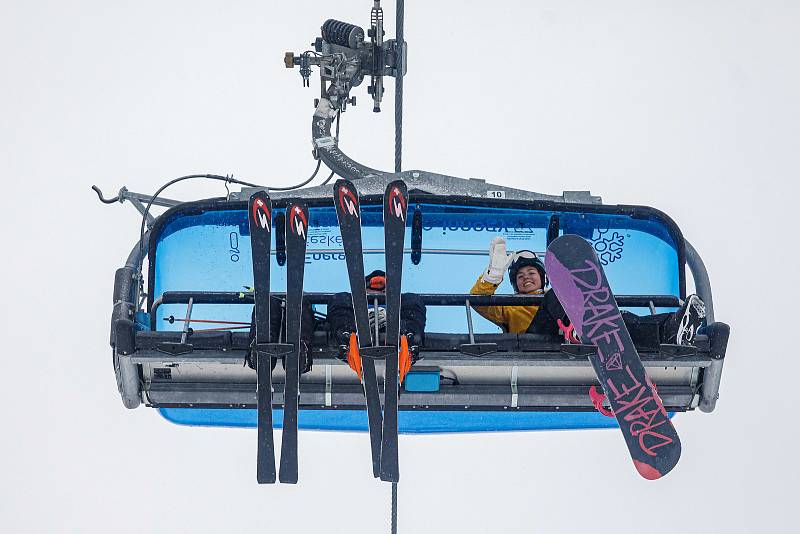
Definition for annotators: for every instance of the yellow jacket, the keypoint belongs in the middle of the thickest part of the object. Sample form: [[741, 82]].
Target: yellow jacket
[[512, 319]]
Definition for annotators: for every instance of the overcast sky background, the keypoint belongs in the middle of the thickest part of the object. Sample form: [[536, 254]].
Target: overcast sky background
[[690, 107]]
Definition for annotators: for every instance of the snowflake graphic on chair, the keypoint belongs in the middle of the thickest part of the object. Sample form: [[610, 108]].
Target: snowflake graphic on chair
[[608, 247]]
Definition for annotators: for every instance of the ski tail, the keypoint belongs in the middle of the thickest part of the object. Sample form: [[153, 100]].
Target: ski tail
[[395, 210], [348, 211], [580, 283], [296, 238], [260, 222]]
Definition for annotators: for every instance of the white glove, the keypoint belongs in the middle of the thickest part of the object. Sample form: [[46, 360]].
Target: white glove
[[498, 261]]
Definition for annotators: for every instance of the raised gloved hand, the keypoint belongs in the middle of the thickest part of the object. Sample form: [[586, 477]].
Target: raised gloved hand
[[499, 261]]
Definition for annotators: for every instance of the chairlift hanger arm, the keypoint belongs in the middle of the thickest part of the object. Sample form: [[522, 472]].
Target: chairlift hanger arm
[[344, 59]]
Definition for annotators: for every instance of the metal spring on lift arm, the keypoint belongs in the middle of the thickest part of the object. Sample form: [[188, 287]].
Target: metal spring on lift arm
[[342, 33]]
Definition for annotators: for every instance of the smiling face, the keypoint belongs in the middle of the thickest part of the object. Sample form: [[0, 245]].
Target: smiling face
[[528, 280]]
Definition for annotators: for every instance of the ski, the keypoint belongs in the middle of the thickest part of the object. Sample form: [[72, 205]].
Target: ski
[[395, 208], [296, 237], [348, 211], [260, 222], [583, 290]]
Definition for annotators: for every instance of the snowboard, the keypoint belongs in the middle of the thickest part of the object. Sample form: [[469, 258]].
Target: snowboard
[[581, 286]]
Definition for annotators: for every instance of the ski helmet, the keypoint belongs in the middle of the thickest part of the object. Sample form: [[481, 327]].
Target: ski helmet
[[525, 258], [376, 280]]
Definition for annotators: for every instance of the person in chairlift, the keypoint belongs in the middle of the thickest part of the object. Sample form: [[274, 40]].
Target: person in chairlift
[[528, 277], [412, 316]]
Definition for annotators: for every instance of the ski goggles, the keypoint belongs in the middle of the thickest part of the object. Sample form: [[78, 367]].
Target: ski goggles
[[526, 254]]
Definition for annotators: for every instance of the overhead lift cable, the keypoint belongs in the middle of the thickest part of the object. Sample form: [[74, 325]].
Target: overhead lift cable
[[398, 149]]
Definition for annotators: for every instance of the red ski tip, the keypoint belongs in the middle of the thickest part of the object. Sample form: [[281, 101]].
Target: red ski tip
[[646, 470]]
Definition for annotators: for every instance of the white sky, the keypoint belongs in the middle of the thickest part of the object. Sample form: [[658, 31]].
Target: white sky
[[690, 107]]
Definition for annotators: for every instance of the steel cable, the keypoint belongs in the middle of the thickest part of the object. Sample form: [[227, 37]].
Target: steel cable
[[398, 149]]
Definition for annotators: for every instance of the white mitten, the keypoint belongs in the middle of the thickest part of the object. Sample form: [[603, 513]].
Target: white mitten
[[498, 261]]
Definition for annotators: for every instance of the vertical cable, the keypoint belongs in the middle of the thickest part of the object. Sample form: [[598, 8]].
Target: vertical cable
[[398, 90], [394, 507], [398, 149]]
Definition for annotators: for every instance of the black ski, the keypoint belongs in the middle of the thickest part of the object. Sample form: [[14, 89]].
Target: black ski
[[260, 221], [395, 207], [296, 237], [348, 211], [582, 288]]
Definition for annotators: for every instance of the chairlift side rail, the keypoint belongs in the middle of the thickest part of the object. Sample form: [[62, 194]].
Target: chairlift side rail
[[126, 299], [431, 299], [701, 280], [712, 376]]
